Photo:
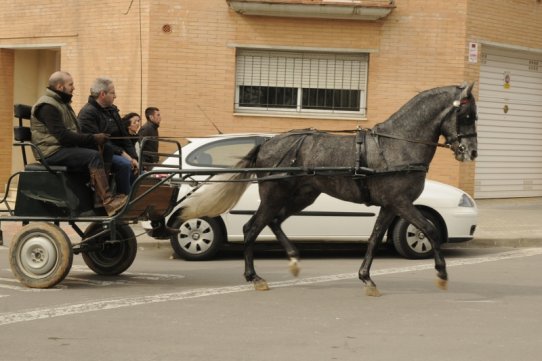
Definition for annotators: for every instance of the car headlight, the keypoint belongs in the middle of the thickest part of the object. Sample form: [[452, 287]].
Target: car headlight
[[466, 201]]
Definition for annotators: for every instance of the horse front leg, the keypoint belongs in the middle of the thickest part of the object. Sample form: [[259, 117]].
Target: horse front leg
[[383, 221], [251, 230], [415, 217], [291, 250]]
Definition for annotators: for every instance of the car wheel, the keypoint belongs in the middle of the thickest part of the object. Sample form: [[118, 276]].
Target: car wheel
[[110, 258], [410, 242], [199, 238]]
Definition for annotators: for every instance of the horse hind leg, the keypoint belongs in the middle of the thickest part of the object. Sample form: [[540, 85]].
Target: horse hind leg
[[251, 231], [291, 250], [301, 199]]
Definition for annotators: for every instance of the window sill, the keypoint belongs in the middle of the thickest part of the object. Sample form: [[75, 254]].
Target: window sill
[[321, 116]]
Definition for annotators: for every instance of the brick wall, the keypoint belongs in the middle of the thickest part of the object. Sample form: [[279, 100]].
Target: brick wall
[[189, 55], [6, 115]]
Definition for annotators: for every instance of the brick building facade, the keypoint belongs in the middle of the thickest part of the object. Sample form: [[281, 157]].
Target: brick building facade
[[180, 55]]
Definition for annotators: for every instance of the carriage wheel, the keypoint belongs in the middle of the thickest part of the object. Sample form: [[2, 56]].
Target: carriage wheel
[[199, 239], [112, 258], [410, 242], [40, 255]]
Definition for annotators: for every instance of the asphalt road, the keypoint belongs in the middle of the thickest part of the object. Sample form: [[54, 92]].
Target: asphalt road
[[166, 309]]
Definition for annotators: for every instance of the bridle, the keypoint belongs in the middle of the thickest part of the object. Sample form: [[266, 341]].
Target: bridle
[[455, 107], [457, 104]]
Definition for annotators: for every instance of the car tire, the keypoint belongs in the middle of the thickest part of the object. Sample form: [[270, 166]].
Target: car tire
[[199, 239], [410, 242]]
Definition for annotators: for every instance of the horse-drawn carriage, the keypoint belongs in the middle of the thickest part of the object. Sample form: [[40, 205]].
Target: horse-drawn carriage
[[385, 166], [47, 196]]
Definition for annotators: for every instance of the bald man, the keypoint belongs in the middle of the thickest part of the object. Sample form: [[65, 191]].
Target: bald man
[[55, 133]]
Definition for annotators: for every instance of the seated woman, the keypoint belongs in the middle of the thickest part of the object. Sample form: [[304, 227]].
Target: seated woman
[[132, 124]]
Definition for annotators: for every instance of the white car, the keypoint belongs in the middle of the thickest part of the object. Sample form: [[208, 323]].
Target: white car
[[327, 220]]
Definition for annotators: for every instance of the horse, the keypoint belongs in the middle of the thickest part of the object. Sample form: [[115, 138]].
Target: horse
[[390, 163]]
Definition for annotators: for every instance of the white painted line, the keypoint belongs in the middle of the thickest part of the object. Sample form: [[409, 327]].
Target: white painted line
[[19, 288], [8, 287], [66, 310], [87, 281], [143, 276]]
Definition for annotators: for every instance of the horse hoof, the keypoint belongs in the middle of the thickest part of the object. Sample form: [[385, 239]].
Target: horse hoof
[[261, 285], [372, 291], [294, 267], [442, 284]]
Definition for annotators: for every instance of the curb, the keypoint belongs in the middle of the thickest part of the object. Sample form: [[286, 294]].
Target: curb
[[502, 242]]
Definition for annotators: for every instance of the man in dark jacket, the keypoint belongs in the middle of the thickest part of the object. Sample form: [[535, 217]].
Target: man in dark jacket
[[55, 133], [149, 154], [149, 147], [100, 115]]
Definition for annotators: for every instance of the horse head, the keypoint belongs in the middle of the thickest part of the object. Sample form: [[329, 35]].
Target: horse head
[[460, 127]]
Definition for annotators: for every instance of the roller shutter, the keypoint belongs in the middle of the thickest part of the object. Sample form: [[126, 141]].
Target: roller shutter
[[510, 124]]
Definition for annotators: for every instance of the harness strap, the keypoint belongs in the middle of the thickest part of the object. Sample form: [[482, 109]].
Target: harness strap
[[390, 136], [380, 150], [296, 146], [361, 166], [361, 157]]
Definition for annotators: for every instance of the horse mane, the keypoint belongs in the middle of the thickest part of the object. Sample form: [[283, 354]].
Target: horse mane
[[412, 106]]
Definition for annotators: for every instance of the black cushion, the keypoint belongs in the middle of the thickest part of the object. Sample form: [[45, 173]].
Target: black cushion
[[41, 167], [22, 134], [22, 111]]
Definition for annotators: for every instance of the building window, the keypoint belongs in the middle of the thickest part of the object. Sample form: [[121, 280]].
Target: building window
[[311, 83]]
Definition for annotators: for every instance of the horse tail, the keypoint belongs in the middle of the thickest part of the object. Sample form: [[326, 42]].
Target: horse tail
[[221, 194]]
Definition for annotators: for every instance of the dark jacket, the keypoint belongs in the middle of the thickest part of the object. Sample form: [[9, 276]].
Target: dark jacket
[[149, 129], [94, 119]]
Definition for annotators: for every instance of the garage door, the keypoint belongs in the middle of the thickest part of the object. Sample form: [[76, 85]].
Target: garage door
[[510, 124]]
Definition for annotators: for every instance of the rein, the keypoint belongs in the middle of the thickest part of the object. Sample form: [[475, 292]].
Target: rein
[[390, 136], [371, 132]]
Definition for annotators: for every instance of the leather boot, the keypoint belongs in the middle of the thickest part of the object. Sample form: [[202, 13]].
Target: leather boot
[[98, 203], [110, 202]]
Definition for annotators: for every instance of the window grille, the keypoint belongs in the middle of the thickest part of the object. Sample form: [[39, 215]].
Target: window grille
[[303, 82]]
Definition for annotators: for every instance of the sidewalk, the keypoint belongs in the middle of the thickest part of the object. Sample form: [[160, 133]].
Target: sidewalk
[[514, 222]]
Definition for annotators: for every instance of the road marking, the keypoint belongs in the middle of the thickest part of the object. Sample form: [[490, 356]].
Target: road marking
[[131, 279], [20, 288], [133, 275], [109, 304]]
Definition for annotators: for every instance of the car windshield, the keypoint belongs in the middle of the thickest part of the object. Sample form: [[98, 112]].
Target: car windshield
[[223, 153]]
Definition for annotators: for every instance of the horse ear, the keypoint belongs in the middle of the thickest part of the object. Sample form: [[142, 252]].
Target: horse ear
[[467, 90]]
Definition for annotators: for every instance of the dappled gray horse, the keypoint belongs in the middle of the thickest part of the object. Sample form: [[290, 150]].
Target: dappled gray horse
[[389, 164]]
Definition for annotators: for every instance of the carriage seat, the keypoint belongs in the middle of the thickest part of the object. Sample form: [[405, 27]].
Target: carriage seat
[[23, 136]]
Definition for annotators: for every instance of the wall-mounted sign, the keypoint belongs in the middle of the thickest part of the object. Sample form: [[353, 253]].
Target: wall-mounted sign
[[473, 53]]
